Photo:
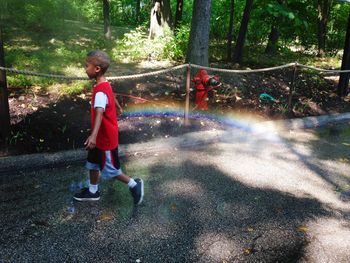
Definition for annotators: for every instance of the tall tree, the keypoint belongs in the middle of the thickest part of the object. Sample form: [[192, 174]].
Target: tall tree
[[4, 103], [197, 51], [137, 11], [106, 19], [323, 9], [238, 54], [230, 31], [160, 18], [271, 47], [345, 65], [178, 13]]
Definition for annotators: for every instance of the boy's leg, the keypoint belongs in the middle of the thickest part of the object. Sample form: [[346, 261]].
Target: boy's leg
[[93, 164], [93, 185], [135, 186], [90, 193]]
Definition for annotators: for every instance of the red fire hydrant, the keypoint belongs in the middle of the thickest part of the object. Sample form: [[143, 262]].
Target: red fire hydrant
[[204, 83]]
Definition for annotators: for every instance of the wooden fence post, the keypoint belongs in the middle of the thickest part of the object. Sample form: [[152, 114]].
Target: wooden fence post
[[345, 65], [291, 89], [187, 102], [4, 103]]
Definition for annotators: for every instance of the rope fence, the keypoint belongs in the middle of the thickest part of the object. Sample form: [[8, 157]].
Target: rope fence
[[154, 73], [189, 66]]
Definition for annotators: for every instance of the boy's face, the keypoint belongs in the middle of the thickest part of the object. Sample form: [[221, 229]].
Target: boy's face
[[90, 69]]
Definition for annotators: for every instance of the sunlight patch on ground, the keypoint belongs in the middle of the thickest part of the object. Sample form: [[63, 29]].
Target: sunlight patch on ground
[[332, 78], [330, 234], [300, 177], [24, 47], [154, 64], [308, 136], [217, 247]]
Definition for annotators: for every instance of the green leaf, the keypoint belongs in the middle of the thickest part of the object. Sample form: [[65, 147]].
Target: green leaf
[[291, 15]]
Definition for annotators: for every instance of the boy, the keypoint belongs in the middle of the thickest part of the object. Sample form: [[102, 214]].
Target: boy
[[102, 144]]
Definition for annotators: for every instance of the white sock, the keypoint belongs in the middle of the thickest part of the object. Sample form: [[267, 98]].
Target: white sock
[[93, 188], [132, 183]]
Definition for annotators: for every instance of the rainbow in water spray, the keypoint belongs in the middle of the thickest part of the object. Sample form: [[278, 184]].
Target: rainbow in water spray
[[248, 123]]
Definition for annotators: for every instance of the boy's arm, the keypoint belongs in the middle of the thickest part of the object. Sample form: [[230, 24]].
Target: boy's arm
[[90, 142], [119, 108]]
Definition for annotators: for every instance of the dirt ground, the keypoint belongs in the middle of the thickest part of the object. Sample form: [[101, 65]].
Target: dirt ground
[[43, 121]]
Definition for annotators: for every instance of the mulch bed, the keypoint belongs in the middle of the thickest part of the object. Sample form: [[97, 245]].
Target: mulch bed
[[48, 122]]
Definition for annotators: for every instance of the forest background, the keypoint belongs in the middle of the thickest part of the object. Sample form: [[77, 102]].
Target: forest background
[[54, 36], [34, 30]]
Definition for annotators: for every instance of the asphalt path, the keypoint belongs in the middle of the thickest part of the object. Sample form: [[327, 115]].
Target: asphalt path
[[263, 194]]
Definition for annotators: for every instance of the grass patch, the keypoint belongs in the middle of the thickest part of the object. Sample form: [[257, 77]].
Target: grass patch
[[64, 52]]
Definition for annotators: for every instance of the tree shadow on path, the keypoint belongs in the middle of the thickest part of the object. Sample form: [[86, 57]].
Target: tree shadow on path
[[191, 213]]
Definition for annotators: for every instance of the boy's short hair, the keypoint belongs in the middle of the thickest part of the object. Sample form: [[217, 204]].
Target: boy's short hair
[[99, 58]]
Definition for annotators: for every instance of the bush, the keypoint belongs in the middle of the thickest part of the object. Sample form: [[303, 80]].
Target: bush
[[177, 46], [136, 46]]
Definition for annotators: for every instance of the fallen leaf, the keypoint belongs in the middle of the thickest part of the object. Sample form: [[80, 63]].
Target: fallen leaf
[[343, 159], [106, 217], [247, 251], [303, 229], [173, 207]]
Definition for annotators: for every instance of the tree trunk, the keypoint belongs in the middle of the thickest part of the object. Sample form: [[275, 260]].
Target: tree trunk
[[271, 47], [197, 51], [345, 65], [4, 103], [238, 54], [178, 14], [160, 18], [137, 14], [106, 19], [323, 9], [230, 31]]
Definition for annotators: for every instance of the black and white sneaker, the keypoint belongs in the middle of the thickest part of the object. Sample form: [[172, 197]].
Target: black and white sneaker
[[86, 195], [137, 191]]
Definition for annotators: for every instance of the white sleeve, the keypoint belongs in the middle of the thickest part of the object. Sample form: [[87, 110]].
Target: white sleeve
[[100, 100]]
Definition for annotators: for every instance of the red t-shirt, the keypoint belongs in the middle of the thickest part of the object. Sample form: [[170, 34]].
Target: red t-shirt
[[107, 136]]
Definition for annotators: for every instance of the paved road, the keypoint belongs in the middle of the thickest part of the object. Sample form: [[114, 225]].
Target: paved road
[[253, 195]]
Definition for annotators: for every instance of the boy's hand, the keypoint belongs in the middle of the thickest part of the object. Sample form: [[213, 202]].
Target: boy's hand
[[90, 142], [119, 110]]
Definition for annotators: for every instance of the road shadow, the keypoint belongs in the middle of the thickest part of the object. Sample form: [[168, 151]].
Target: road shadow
[[325, 152], [193, 212]]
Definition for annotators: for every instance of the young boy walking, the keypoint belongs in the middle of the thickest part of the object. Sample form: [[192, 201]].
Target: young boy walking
[[102, 144]]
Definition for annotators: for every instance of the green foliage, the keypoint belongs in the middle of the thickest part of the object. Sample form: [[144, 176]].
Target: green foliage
[[133, 46], [219, 19], [75, 88], [177, 45], [33, 14], [338, 21], [91, 10], [39, 37], [277, 10], [15, 137], [136, 46]]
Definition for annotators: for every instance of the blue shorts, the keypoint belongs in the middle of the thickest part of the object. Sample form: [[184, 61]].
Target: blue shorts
[[107, 162]]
